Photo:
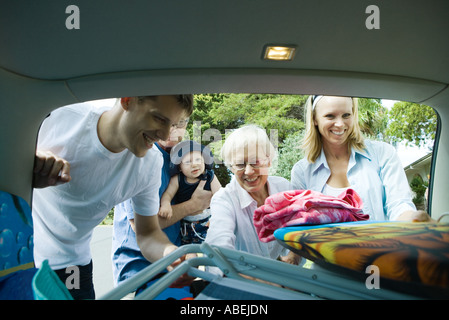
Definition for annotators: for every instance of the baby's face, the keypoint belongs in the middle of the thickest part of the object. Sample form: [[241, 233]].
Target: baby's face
[[192, 164]]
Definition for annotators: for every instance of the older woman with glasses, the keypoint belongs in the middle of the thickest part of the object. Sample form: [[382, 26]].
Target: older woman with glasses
[[248, 153]]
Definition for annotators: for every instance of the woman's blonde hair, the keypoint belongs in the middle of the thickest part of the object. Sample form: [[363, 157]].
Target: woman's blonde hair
[[312, 144]]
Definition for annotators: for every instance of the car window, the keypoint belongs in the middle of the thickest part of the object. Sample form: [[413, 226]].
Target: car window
[[409, 127]]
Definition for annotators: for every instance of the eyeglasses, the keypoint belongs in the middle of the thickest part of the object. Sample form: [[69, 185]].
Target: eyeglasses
[[259, 164], [180, 124]]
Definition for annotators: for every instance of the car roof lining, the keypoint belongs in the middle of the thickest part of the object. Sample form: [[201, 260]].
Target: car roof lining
[[117, 36], [253, 81]]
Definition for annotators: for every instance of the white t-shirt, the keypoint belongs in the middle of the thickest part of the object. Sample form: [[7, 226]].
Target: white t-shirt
[[332, 191], [64, 216]]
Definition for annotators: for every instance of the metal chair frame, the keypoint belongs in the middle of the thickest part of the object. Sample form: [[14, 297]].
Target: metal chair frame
[[306, 283]]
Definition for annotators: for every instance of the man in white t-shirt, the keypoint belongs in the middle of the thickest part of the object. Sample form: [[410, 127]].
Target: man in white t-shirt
[[90, 159]]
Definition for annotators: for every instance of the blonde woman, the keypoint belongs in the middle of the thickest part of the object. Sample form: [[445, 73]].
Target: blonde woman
[[338, 157]]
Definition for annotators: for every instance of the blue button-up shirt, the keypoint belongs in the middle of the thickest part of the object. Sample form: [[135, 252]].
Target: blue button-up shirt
[[375, 173]]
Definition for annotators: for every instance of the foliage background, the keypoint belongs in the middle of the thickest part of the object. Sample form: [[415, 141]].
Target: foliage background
[[281, 115], [215, 115]]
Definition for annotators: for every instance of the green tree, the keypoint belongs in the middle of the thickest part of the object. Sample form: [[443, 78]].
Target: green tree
[[289, 153], [201, 122], [216, 114], [201, 112], [373, 118], [281, 115], [419, 187], [415, 123]]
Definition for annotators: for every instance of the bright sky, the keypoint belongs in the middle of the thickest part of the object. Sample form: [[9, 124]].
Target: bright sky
[[103, 102]]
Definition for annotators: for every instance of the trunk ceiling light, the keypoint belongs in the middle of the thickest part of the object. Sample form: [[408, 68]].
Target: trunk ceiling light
[[279, 52]]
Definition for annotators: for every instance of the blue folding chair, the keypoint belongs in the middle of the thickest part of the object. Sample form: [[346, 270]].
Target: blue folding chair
[[16, 248]]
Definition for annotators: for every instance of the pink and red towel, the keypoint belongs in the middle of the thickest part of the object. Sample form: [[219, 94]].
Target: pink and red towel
[[305, 207]]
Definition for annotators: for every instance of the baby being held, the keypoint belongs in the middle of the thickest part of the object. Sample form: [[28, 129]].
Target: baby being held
[[191, 162]]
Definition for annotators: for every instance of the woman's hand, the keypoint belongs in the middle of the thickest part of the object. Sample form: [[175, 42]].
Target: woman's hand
[[415, 216], [291, 258]]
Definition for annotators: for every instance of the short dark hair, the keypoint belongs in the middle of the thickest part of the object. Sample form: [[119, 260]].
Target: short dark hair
[[185, 100]]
